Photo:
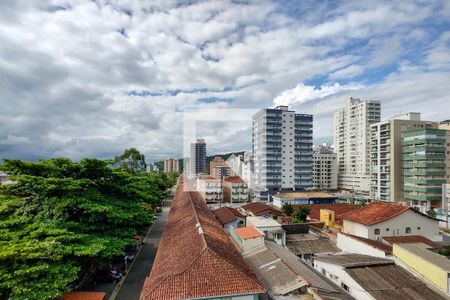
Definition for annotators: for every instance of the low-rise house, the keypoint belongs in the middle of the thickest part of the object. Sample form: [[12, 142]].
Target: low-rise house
[[229, 217], [247, 238], [303, 198], [359, 245], [272, 229], [262, 210], [235, 190], [431, 266], [368, 277], [196, 259], [210, 189], [379, 219]]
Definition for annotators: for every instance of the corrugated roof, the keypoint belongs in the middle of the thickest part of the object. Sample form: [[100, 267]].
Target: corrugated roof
[[300, 244], [248, 232], [377, 212], [195, 257], [350, 260], [407, 239], [421, 250], [387, 282]]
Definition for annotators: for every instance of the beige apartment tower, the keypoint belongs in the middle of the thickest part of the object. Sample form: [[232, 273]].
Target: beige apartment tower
[[171, 165], [386, 155], [218, 168], [351, 142]]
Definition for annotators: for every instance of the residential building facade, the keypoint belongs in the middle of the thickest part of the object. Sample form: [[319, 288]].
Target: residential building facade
[[282, 151], [234, 162], [325, 168], [386, 155], [235, 190], [210, 189], [351, 142], [197, 159], [218, 168], [445, 125], [424, 163], [171, 165]]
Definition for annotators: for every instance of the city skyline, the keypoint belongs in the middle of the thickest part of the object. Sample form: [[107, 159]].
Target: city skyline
[[101, 77]]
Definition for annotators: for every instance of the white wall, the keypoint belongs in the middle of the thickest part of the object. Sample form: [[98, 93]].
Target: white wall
[[419, 224], [338, 275], [348, 244]]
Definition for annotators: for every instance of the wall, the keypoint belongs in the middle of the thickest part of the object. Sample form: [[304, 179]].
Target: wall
[[338, 275], [348, 244], [355, 229], [253, 243], [428, 270]]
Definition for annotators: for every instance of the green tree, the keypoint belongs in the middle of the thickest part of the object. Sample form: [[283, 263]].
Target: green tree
[[61, 219], [131, 160], [431, 212], [301, 214], [288, 209]]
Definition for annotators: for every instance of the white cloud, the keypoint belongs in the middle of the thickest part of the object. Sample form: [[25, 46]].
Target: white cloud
[[302, 93]]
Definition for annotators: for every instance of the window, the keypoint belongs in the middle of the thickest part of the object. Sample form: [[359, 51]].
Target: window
[[408, 230], [418, 228], [387, 229], [377, 231], [345, 287]]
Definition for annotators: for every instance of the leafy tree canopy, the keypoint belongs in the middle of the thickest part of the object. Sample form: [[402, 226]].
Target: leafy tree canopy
[[62, 218], [131, 160], [288, 209], [301, 214]]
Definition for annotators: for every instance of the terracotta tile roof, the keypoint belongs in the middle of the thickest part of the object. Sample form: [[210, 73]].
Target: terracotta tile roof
[[377, 212], [84, 296], [387, 249], [260, 208], [196, 258], [338, 208], [226, 215], [248, 232], [234, 179], [408, 239]]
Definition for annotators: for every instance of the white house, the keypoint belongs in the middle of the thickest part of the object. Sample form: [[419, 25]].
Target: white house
[[247, 238], [272, 229], [379, 219]]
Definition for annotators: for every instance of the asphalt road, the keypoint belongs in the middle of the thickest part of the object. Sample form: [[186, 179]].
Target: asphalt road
[[133, 283]]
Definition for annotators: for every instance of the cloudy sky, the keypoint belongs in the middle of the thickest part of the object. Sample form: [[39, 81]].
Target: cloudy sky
[[91, 78]]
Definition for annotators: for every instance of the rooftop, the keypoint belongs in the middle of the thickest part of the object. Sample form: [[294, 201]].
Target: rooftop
[[196, 258], [421, 250], [84, 296], [387, 282], [234, 179], [226, 215], [261, 208], [350, 260], [377, 212], [387, 249], [262, 222], [248, 232], [300, 244], [408, 239], [338, 208], [284, 196]]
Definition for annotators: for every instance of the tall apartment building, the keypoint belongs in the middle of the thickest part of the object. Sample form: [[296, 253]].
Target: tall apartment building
[[445, 125], [386, 155], [235, 163], [171, 165], [325, 168], [282, 151], [351, 142], [247, 168], [197, 161], [424, 163], [218, 168]]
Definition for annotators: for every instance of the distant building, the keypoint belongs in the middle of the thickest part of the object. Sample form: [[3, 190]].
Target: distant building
[[325, 168], [171, 165], [234, 162], [235, 190], [196, 259], [247, 168], [210, 189], [432, 266], [368, 277], [386, 155], [445, 125], [282, 151], [303, 198], [262, 210], [351, 142], [424, 163], [197, 159], [218, 168], [379, 219]]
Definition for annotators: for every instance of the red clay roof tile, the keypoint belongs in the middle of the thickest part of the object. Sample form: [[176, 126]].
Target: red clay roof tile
[[260, 208], [248, 232], [193, 262]]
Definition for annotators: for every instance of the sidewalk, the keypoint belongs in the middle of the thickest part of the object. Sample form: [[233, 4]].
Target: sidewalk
[[131, 287]]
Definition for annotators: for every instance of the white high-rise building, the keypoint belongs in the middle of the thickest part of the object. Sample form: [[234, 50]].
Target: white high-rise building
[[325, 168], [282, 151], [352, 143]]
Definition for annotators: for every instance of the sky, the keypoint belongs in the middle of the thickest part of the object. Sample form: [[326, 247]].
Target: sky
[[85, 78]]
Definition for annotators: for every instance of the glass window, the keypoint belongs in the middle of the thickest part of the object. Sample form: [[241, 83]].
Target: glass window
[[377, 231]]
